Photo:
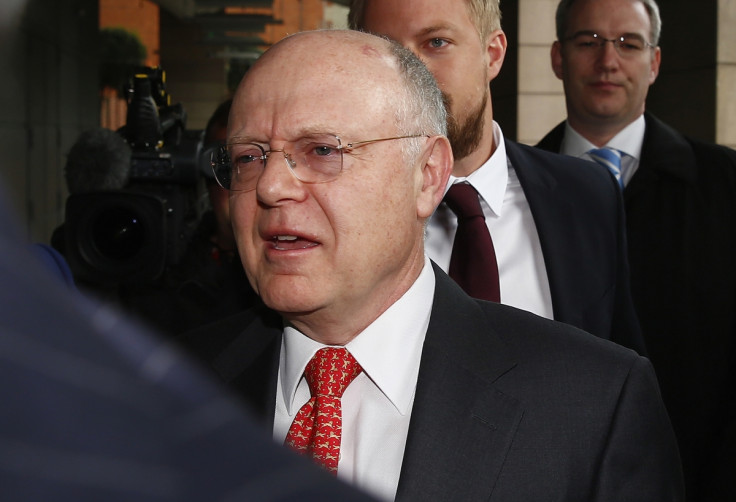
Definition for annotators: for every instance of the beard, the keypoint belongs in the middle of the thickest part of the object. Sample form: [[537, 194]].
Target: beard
[[465, 137]]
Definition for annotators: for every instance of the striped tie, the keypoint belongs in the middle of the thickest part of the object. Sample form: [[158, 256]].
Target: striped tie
[[609, 158]]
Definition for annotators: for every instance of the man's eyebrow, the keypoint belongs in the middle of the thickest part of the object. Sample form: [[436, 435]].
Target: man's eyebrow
[[583, 32], [240, 139], [430, 30], [299, 134]]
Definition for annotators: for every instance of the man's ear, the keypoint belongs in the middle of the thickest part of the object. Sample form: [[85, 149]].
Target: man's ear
[[435, 172], [496, 50], [654, 66], [556, 58]]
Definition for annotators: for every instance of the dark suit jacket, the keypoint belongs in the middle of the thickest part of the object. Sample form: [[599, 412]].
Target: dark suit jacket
[[681, 224], [509, 407], [578, 214]]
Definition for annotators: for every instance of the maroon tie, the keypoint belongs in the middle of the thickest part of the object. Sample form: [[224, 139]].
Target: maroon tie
[[317, 427], [473, 261]]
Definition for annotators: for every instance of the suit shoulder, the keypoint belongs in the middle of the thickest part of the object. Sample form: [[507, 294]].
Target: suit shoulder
[[713, 154], [529, 336], [553, 139], [695, 158], [565, 169], [208, 341]]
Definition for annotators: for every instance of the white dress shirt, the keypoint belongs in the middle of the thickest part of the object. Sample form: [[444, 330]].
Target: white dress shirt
[[522, 272], [628, 141], [376, 406]]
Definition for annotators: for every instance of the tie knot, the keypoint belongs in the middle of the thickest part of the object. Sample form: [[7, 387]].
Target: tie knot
[[330, 371], [611, 159], [463, 200], [607, 156]]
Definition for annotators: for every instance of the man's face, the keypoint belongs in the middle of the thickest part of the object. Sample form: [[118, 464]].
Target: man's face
[[340, 249], [442, 34], [602, 87]]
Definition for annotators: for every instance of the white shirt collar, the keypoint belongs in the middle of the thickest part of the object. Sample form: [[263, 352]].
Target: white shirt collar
[[490, 179], [629, 140], [389, 350]]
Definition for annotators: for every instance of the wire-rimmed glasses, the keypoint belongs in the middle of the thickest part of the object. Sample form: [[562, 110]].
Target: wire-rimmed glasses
[[628, 45], [312, 159]]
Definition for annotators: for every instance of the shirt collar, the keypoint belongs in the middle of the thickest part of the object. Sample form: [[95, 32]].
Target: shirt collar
[[628, 140], [491, 178], [389, 349]]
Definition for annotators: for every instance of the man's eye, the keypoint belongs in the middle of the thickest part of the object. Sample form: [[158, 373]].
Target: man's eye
[[586, 43], [436, 43], [323, 150], [631, 45], [246, 158]]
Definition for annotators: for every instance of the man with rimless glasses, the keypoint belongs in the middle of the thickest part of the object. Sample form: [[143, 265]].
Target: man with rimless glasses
[[680, 202], [366, 356]]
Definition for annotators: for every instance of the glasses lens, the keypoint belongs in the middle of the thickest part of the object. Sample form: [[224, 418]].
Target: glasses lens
[[317, 159], [625, 45], [586, 41], [204, 161], [220, 162], [246, 165], [630, 44]]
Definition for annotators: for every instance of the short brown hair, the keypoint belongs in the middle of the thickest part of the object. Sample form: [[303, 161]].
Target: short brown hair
[[485, 14]]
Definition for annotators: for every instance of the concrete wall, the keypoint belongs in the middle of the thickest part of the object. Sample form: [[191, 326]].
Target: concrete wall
[[541, 101]]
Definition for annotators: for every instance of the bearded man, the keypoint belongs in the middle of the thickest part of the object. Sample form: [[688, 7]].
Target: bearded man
[[555, 223]]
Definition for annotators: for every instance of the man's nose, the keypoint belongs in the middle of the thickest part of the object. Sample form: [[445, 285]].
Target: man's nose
[[278, 181]]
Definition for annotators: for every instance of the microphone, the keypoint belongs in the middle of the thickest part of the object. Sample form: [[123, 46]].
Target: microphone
[[99, 160]]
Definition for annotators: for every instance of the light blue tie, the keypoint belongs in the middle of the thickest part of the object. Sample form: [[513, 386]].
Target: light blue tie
[[609, 158]]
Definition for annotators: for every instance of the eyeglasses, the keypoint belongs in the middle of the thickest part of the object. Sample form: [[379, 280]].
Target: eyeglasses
[[629, 45], [204, 160], [313, 159]]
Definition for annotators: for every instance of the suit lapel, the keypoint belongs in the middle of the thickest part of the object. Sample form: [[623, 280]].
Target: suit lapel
[[250, 363], [664, 153], [552, 213], [461, 426], [552, 142]]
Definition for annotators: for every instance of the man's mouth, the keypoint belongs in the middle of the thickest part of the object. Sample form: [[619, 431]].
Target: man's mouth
[[604, 84], [291, 242]]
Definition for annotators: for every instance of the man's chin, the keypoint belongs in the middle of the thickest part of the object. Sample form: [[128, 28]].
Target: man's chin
[[287, 295], [466, 136]]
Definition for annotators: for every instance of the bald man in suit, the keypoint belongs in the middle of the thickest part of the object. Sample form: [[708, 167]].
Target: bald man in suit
[[333, 170]]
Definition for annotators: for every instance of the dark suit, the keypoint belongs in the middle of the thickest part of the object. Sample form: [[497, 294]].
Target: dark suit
[[681, 223], [509, 406], [578, 214], [95, 409]]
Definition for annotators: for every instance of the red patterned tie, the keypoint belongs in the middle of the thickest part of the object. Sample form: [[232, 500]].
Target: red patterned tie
[[317, 426], [473, 260]]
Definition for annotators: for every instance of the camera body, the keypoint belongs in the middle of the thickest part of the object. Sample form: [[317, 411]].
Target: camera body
[[133, 234]]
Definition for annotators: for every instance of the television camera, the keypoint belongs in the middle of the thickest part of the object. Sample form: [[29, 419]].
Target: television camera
[[133, 234]]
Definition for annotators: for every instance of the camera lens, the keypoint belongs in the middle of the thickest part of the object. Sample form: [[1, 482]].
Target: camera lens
[[116, 236], [118, 233]]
